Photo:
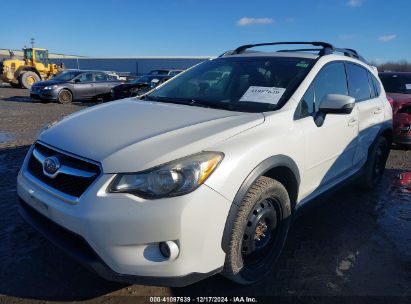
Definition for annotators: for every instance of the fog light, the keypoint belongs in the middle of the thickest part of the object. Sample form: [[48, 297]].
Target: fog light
[[169, 250]]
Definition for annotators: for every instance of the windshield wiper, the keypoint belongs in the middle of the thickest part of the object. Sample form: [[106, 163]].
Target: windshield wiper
[[191, 102], [164, 99]]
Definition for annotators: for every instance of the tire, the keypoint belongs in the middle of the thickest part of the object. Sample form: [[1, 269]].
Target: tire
[[27, 79], [375, 165], [15, 85], [65, 96], [259, 232]]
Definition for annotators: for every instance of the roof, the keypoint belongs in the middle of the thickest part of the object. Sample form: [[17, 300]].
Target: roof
[[277, 54], [324, 50]]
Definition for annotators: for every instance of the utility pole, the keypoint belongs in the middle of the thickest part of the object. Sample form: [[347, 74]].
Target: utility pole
[[32, 41]]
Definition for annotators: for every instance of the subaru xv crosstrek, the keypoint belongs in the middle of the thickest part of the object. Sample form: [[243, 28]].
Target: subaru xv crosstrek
[[204, 174]]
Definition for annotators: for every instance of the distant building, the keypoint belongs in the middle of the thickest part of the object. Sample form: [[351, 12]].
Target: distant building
[[129, 65], [135, 65]]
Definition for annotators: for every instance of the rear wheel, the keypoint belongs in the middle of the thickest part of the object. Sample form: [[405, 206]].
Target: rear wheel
[[375, 165], [259, 232], [27, 79], [65, 96]]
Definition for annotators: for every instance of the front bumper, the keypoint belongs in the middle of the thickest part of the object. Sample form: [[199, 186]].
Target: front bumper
[[122, 231], [76, 247], [119, 94], [44, 95]]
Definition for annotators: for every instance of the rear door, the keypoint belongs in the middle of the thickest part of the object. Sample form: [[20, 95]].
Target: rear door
[[370, 108], [103, 83], [84, 86]]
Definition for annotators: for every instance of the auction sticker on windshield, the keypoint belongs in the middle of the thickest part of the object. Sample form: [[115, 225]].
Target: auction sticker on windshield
[[263, 94]]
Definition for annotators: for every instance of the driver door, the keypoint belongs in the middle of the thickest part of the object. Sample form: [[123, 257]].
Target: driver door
[[330, 147]]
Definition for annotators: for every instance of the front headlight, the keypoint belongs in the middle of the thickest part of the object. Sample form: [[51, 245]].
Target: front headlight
[[51, 87], [172, 179]]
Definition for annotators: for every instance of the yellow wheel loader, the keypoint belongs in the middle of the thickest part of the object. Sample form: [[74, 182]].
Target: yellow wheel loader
[[25, 72]]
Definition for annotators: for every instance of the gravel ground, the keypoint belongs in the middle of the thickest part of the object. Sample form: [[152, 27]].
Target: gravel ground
[[351, 243]]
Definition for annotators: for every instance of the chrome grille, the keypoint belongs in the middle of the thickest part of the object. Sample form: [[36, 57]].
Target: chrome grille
[[73, 176]]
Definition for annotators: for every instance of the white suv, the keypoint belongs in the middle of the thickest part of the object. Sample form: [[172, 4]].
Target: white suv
[[204, 174]]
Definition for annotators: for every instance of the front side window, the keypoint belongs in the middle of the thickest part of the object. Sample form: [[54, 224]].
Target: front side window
[[330, 80], [28, 54], [358, 84], [307, 105], [248, 84], [86, 77]]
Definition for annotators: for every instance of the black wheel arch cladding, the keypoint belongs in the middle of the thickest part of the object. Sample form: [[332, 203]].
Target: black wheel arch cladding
[[276, 161]]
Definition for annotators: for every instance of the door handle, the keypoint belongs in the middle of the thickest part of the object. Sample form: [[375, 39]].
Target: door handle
[[352, 122], [378, 111]]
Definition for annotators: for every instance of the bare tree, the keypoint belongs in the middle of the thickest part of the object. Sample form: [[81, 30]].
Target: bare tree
[[399, 66]]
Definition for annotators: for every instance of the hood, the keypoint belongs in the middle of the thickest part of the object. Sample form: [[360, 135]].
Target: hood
[[128, 86], [133, 135], [47, 83]]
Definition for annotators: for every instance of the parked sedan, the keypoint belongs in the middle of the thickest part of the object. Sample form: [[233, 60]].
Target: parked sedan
[[170, 72], [398, 88], [75, 85], [138, 86]]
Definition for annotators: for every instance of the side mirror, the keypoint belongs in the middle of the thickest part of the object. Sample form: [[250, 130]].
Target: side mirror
[[77, 80], [337, 104]]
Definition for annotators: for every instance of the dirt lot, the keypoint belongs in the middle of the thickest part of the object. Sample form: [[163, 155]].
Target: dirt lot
[[357, 244]]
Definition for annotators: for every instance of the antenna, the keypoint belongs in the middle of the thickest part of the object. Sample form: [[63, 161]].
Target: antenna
[[32, 42]]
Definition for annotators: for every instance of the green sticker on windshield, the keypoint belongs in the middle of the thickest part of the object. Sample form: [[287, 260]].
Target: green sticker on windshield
[[302, 64]]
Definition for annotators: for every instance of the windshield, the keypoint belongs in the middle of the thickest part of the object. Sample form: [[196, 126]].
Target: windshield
[[396, 83], [66, 76], [248, 84], [158, 72]]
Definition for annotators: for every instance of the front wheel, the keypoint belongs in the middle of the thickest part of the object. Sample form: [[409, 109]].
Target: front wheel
[[27, 79], [259, 232], [65, 96]]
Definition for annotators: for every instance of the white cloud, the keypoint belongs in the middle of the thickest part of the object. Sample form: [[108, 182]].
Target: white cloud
[[386, 38], [355, 3], [246, 21]]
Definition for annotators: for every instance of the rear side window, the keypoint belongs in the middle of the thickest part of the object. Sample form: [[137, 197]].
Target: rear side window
[[358, 85], [330, 80], [376, 84], [372, 87], [100, 77]]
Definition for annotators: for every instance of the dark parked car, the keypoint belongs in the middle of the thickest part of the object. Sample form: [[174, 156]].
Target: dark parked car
[[75, 85], [398, 87], [170, 72], [138, 86]]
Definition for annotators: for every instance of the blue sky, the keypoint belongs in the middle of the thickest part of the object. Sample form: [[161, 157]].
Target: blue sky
[[379, 29]]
